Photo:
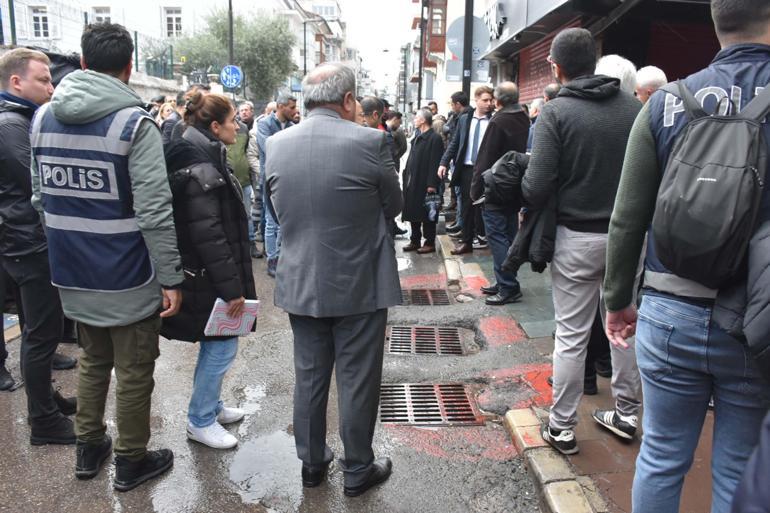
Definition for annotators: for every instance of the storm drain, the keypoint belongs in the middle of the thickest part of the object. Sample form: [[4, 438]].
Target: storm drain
[[447, 404], [437, 340], [425, 297]]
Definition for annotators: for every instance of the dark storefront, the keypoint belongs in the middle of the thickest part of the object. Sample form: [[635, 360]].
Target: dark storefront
[[676, 36]]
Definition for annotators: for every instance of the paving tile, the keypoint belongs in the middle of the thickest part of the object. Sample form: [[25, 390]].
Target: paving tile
[[616, 488], [527, 437], [548, 466], [522, 417], [601, 456], [566, 497], [598, 504]]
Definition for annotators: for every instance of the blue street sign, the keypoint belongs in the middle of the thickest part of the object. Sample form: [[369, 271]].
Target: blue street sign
[[231, 76]]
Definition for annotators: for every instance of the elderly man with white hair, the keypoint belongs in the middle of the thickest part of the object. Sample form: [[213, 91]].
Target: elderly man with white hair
[[648, 80], [618, 67]]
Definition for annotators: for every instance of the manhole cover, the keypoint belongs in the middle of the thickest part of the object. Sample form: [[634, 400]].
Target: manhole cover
[[446, 404], [425, 297], [440, 340]]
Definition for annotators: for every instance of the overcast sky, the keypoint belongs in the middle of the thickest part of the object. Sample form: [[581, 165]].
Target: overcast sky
[[374, 25]]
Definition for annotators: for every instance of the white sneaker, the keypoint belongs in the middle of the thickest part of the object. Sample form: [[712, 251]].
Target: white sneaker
[[229, 415], [214, 436]]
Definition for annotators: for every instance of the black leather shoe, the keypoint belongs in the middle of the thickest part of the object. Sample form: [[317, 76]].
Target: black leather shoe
[[60, 431], [6, 380], [312, 478], [462, 249], [91, 457], [67, 405], [62, 362], [130, 474], [453, 228], [381, 469], [499, 299], [491, 291], [399, 231]]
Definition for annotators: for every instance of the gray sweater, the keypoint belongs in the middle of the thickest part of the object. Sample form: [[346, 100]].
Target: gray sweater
[[579, 144]]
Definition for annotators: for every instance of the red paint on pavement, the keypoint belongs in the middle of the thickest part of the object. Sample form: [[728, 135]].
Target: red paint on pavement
[[501, 331], [474, 284], [535, 376], [472, 444], [424, 281]]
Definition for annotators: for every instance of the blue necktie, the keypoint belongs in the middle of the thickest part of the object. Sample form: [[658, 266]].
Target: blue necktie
[[475, 147]]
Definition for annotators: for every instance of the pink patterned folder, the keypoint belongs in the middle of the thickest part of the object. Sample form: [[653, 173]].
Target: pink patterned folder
[[221, 325]]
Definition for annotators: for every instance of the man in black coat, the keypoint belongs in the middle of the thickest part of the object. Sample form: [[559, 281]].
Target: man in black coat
[[507, 131], [25, 81], [463, 150]]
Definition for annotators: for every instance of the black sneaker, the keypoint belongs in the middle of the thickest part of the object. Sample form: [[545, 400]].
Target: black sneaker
[[130, 474], [624, 427], [563, 441], [60, 431], [91, 457], [62, 362], [67, 405], [6, 380]]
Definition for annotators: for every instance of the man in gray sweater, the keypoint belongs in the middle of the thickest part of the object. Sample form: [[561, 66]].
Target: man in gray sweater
[[580, 139]]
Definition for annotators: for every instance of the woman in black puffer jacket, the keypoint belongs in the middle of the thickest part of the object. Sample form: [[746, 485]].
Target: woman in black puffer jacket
[[212, 233]]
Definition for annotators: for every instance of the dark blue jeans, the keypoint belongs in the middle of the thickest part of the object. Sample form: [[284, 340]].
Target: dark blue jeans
[[501, 227]]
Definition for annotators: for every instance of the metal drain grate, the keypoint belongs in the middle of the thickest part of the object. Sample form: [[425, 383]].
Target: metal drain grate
[[424, 340], [447, 404], [425, 297]]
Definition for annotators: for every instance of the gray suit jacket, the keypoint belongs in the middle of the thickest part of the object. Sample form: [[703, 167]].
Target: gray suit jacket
[[332, 184]]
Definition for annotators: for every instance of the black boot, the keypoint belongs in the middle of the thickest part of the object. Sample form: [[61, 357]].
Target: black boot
[[67, 405], [91, 457], [130, 474], [6, 380], [62, 362], [60, 431]]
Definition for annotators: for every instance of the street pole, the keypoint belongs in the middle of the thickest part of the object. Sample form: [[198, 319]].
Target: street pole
[[304, 48], [12, 19], [136, 52], [422, 45], [230, 22], [468, 47]]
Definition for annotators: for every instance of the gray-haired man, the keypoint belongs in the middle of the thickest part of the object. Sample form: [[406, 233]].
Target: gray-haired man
[[338, 272]]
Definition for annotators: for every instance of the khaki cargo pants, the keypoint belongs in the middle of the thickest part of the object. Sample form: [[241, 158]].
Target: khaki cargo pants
[[132, 351]]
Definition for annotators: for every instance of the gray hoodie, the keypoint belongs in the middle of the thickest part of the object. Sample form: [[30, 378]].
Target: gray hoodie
[[81, 98]]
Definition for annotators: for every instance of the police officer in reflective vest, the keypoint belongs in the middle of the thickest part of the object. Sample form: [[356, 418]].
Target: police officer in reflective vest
[[101, 182]]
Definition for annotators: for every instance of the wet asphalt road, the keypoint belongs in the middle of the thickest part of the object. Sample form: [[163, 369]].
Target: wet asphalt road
[[450, 469]]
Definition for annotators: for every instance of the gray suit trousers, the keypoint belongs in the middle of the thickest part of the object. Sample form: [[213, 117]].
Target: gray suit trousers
[[356, 344]]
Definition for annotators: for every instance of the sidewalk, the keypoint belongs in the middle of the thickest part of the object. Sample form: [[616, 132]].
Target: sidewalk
[[599, 478]]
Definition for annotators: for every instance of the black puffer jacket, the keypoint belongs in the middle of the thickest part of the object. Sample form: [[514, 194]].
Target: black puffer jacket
[[211, 229]]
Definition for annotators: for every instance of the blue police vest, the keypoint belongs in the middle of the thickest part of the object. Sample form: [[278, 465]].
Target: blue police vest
[[93, 236], [732, 80]]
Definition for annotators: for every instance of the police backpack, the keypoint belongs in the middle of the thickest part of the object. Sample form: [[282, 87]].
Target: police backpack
[[710, 193]]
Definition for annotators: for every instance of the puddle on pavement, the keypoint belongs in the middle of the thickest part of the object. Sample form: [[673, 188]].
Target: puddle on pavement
[[266, 470], [251, 403], [404, 263]]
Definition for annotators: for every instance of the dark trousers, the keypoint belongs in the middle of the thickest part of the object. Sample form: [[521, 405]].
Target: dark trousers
[[3, 291], [598, 347], [502, 226], [468, 211], [40, 333], [425, 229], [355, 344]]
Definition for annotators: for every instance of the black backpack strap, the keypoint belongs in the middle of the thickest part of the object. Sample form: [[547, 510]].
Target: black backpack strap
[[691, 105], [759, 107]]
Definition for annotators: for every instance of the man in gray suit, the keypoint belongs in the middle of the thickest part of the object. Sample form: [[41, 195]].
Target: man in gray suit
[[332, 184]]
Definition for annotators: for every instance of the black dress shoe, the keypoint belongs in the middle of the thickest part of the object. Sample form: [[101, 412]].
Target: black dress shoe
[[399, 231], [67, 405], [130, 474], [91, 457], [60, 431], [62, 362], [500, 299], [380, 472], [312, 478], [453, 228], [411, 247], [490, 291], [6, 380]]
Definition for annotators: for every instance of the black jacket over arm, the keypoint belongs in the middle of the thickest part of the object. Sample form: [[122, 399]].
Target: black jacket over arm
[[420, 173], [212, 232], [507, 131]]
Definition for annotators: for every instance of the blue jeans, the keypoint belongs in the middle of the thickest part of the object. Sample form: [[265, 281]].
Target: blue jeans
[[272, 234], [214, 359], [502, 226], [684, 360], [248, 197]]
